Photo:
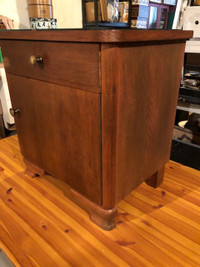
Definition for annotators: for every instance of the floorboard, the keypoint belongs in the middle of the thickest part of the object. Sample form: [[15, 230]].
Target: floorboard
[[40, 226]]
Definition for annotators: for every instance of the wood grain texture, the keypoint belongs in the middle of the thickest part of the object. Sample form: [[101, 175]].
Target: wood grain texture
[[39, 226], [157, 178], [58, 134], [106, 142], [103, 36], [109, 120], [70, 64], [146, 96]]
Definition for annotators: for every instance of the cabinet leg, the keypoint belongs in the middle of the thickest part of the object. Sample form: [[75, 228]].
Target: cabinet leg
[[105, 219], [156, 179], [32, 170]]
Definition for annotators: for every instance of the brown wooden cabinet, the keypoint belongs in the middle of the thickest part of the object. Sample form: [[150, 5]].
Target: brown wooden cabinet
[[95, 108]]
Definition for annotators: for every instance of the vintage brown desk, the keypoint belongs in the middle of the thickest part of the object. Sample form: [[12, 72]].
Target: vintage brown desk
[[95, 108]]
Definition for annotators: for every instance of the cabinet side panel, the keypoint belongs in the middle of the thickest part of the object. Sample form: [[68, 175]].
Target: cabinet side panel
[[59, 130], [109, 79], [148, 83]]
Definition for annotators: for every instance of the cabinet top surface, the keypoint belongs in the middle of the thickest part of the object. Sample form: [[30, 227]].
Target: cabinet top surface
[[96, 36]]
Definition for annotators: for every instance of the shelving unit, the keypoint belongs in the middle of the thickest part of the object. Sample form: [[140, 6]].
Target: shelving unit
[[189, 107], [189, 100], [155, 17], [186, 148], [102, 24], [187, 152]]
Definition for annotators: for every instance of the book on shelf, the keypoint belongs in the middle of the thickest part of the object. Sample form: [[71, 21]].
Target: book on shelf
[[90, 12], [103, 6]]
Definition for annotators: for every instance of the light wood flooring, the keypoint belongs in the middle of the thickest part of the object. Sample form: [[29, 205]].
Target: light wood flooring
[[40, 226]]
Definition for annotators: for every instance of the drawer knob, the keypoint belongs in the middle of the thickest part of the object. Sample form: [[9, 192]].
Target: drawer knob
[[14, 111], [35, 60]]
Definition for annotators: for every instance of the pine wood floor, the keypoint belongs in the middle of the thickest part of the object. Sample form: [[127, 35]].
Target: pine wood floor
[[39, 226]]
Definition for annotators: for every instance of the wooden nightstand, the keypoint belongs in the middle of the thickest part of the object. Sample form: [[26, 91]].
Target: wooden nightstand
[[95, 108]]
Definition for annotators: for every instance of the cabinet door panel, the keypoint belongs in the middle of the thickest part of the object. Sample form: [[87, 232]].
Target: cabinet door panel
[[59, 130]]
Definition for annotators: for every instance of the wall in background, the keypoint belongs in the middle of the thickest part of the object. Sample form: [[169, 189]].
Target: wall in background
[[67, 12], [16, 10]]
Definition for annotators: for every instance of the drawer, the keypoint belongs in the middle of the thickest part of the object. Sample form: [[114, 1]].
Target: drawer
[[70, 64]]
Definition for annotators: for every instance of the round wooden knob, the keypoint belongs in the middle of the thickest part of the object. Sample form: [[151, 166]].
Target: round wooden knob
[[14, 111], [32, 60], [35, 60]]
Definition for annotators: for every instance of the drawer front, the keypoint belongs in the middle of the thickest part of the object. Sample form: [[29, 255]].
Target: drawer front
[[70, 64]]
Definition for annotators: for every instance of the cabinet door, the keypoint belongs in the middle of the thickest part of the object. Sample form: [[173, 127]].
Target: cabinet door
[[59, 130]]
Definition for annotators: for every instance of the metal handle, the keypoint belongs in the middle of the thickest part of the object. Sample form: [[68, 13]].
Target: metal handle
[[14, 111], [36, 60]]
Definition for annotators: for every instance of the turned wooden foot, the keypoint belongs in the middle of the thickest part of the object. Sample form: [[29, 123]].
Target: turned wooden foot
[[32, 170], [156, 179], [106, 219]]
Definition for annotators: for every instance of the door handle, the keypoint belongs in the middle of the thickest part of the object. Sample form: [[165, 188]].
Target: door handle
[[33, 60], [14, 111]]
